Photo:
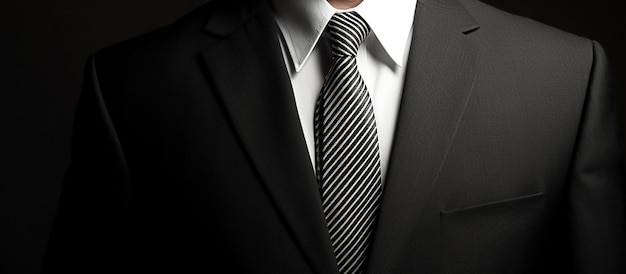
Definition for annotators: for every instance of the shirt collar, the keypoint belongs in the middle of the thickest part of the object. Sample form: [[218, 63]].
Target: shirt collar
[[302, 23]]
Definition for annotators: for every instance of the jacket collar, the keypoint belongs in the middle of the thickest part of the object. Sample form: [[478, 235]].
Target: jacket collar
[[246, 70], [441, 70]]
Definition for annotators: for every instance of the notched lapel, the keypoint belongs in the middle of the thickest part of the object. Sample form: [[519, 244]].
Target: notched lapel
[[247, 70], [440, 74]]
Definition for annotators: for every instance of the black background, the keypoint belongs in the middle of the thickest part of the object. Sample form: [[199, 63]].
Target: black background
[[44, 46]]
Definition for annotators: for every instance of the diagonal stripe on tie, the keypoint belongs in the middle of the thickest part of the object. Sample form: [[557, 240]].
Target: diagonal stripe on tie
[[346, 145]]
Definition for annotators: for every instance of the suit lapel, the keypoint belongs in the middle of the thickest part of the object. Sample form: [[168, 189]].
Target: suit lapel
[[439, 80], [248, 72]]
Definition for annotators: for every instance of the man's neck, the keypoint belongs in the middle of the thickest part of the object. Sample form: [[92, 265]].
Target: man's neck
[[344, 4]]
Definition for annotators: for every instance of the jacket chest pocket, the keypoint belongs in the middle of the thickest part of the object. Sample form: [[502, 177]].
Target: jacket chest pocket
[[495, 237]]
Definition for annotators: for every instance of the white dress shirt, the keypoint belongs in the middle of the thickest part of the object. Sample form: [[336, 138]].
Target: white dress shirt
[[381, 59]]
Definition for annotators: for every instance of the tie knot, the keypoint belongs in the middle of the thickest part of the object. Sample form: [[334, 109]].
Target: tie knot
[[347, 29]]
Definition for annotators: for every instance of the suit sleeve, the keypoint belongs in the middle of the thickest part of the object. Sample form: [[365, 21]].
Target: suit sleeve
[[88, 229], [596, 193]]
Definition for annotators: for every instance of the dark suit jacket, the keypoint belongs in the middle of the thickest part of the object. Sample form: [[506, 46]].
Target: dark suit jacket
[[188, 154]]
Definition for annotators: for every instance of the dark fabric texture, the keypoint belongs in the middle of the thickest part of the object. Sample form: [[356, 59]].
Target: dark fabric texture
[[188, 156]]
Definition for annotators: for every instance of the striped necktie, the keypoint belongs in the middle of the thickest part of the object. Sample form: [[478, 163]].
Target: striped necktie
[[346, 145]]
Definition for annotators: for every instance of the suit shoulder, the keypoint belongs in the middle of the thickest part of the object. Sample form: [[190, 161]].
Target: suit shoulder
[[502, 26], [185, 36], [507, 37], [160, 41]]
